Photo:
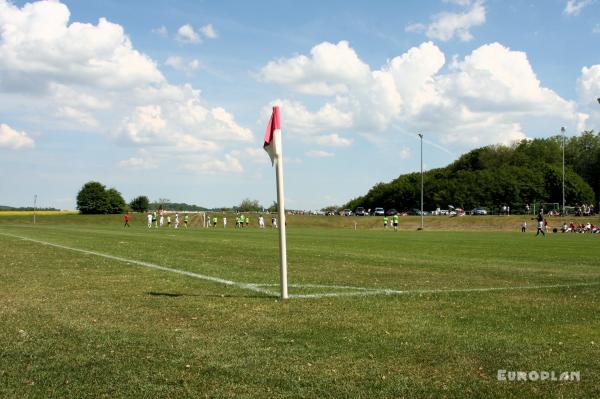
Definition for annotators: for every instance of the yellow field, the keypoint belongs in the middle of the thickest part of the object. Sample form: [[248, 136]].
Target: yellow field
[[40, 213]]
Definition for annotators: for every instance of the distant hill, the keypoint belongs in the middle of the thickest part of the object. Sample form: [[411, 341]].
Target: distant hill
[[529, 171]]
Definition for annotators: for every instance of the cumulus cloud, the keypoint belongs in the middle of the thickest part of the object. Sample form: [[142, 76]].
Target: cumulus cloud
[[446, 25], [319, 154], [179, 64], [212, 165], [14, 140], [209, 31], [187, 34], [326, 72], [85, 76], [574, 7], [333, 140], [588, 90], [143, 161], [162, 31], [487, 97]]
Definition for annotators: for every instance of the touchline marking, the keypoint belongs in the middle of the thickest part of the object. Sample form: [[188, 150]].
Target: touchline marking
[[257, 287], [375, 291], [246, 286]]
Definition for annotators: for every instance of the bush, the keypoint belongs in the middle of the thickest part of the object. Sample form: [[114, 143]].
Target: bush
[[94, 198]]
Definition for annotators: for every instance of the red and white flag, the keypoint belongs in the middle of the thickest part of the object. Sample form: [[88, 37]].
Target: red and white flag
[[272, 143]]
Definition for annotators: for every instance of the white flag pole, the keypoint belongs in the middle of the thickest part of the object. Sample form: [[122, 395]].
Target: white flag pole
[[281, 211]]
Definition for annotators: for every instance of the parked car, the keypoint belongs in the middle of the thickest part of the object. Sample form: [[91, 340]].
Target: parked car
[[378, 212], [347, 212], [360, 211], [391, 212], [479, 211]]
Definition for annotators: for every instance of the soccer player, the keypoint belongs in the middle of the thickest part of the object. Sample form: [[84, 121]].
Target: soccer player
[[242, 219], [215, 220], [168, 220], [247, 220], [176, 220], [224, 222], [186, 220], [126, 219], [261, 222], [385, 222], [395, 221], [149, 217], [540, 223], [161, 219], [524, 227], [154, 219]]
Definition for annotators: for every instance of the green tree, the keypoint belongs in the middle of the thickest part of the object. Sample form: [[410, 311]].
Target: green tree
[[92, 199], [249, 205], [140, 204], [116, 203], [273, 208]]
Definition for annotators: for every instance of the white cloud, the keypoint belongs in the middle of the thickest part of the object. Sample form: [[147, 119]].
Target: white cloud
[[319, 154], [326, 72], [446, 25], [82, 76], [333, 140], [144, 161], [162, 31], [187, 34], [574, 7], [209, 32], [487, 97], [179, 64], [211, 165], [588, 90], [404, 153], [14, 140], [40, 47]]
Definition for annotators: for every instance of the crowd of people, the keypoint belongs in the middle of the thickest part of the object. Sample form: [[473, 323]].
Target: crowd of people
[[161, 218], [571, 227]]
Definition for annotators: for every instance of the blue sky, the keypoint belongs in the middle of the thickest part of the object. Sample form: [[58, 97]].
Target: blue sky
[[170, 99]]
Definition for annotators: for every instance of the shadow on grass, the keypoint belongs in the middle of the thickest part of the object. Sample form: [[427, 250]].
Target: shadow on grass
[[177, 295]]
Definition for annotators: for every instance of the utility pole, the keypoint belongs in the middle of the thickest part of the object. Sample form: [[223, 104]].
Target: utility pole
[[421, 137], [562, 130]]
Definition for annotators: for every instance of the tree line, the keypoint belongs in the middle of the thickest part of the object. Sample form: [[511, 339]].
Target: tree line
[[527, 172], [95, 198]]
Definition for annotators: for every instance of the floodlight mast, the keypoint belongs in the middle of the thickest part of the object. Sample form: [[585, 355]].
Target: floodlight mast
[[421, 137], [562, 130]]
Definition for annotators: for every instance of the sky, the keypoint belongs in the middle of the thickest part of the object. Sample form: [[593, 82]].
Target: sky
[[170, 99]]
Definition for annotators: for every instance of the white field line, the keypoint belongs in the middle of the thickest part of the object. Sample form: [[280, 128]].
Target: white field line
[[374, 291], [354, 291], [246, 286]]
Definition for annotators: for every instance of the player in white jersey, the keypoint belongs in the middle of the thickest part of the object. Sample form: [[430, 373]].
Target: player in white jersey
[[149, 217], [176, 220], [261, 222]]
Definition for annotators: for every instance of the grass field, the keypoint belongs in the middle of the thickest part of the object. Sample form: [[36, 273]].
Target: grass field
[[377, 313]]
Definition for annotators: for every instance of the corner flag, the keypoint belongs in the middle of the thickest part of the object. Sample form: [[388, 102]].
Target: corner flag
[[272, 146], [273, 136]]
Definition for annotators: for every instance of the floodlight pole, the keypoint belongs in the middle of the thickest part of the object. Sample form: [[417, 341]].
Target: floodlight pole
[[562, 130], [34, 206], [421, 137]]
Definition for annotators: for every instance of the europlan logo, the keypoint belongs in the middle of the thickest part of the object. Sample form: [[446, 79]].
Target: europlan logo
[[535, 375]]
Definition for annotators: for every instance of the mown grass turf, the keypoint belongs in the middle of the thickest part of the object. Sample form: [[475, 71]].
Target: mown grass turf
[[75, 325]]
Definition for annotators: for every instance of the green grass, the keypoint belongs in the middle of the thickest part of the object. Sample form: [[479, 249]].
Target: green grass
[[76, 325]]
